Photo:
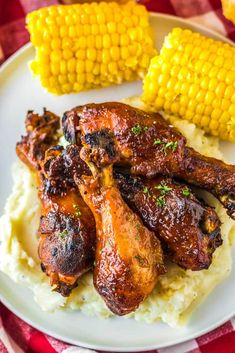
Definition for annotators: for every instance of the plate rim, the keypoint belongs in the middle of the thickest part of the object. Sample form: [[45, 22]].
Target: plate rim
[[79, 342]]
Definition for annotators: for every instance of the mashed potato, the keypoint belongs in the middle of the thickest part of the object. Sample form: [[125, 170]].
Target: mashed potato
[[176, 294]]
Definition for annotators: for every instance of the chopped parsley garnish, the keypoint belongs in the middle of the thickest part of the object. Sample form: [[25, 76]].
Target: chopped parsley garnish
[[63, 234], [138, 226], [161, 201], [163, 188], [137, 129], [186, 192], [146, 191], [77, 212], [172, 145], [157, 142]]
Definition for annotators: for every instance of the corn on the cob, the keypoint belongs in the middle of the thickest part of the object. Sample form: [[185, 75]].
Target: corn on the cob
[[84, 46], [194, 78], [229, 9]]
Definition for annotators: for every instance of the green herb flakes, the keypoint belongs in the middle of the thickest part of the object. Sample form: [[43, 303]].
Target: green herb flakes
[[157, 142], [137, 129], [146, 191], [63, 234], [163, 188], [160, 201], [186, 192], [171, 145]]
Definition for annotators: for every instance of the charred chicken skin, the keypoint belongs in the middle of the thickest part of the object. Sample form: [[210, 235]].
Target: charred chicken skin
[[67, 227], [117, 133], [129, 257], [188, 229], [41, 133]]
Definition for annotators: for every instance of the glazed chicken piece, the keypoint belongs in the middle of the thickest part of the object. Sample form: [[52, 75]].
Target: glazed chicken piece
[[117, 133], [67, 227], [188, 229], [129, 257]]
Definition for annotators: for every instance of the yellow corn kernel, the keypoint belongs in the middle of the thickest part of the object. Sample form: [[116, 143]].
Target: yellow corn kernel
[[201, 71], [62, 79], [71, 64], [89, 66], [115, 39], [112, 27], [72, 77], [91, 54], [55, 68], [105, 56], [56, 55], [56, 43], [63, 67], [80, 66], [86, 30], [106, 41], [115, 53]]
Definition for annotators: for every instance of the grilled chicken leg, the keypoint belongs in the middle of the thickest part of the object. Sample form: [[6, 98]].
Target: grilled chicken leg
[[188, 229], [117, 133], [129, 257], [67, 227]]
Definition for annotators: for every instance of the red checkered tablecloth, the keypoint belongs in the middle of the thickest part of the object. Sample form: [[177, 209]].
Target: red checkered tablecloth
[[15, 335]]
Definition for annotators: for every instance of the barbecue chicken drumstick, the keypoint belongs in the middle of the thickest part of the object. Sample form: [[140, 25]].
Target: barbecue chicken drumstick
[[188, 229], [117, 133], [67, 227], [129, 257]]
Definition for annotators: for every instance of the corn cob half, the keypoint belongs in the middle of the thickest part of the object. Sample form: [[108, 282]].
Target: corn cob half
[[84, 46], [194, 78], [229, 9]]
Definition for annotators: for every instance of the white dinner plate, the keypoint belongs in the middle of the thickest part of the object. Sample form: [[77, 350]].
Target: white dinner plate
[[19, 92]]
